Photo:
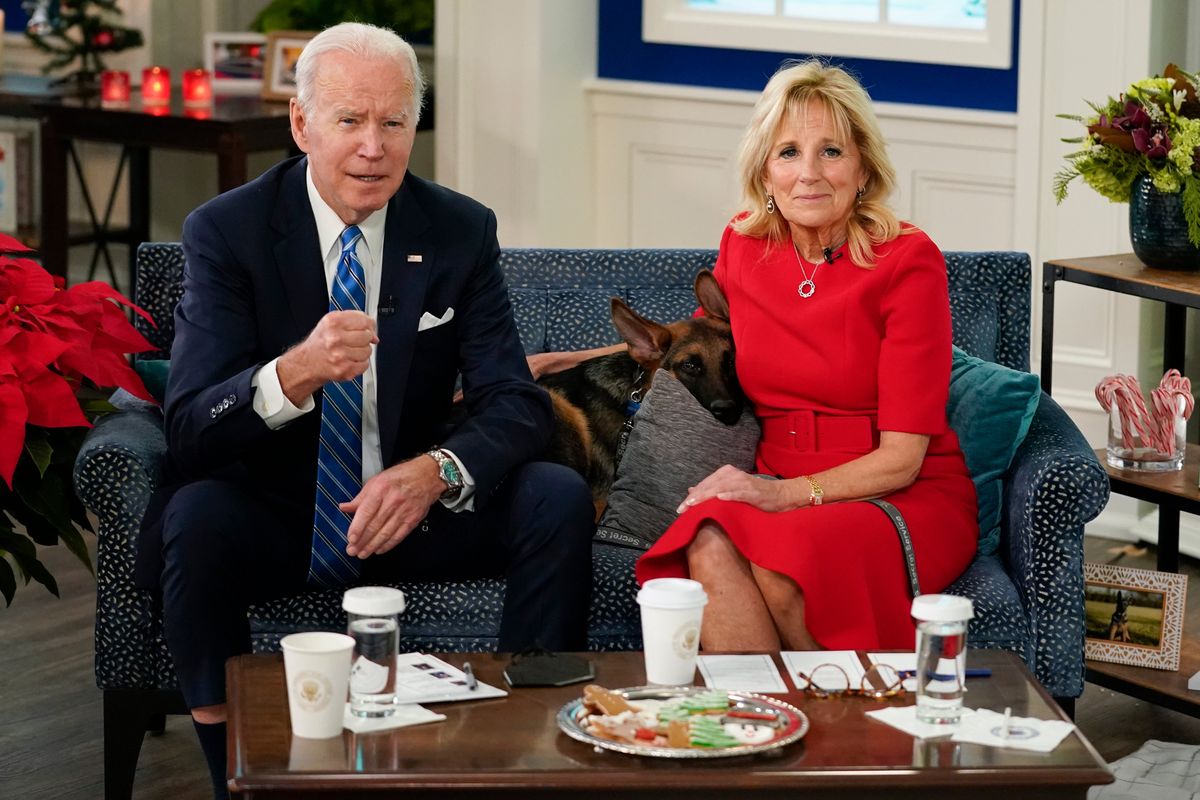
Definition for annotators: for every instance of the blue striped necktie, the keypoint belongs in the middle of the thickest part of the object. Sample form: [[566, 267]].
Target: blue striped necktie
[[339, 462]]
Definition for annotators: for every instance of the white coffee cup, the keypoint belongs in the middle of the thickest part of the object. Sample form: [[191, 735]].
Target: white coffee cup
[[672, 610], [317, 670]]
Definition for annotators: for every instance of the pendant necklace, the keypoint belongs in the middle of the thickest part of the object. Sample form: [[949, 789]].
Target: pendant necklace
[[806, 287]]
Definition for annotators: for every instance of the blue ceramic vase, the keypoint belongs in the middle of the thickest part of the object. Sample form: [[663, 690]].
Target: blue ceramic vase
[[1158, 229]]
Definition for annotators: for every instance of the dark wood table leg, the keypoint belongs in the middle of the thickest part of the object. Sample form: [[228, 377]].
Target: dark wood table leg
[[1174, 336], [231, 163], [1174, 353], [1050, 274], [139, 208], [53, 246], [1168, 538]]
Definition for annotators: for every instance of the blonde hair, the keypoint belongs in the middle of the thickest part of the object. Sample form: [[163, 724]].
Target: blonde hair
[[844, 99]]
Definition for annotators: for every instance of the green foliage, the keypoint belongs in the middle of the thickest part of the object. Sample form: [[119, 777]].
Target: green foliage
[[1110, 172], [42, 500], [84, 30], [1062, 179], [1191, 208], [412, 19]]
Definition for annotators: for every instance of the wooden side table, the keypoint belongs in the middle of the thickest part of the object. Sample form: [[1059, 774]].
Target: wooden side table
[[18, 94], [232, 128], [1172, 491], [1178, 491], [1179, 291]]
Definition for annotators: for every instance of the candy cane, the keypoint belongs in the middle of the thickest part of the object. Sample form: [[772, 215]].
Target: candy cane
[[1171, 400], [1175, 382], [1123, 391]]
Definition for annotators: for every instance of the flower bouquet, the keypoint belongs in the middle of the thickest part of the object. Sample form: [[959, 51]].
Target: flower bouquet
[[1152, 130], [57, 347]]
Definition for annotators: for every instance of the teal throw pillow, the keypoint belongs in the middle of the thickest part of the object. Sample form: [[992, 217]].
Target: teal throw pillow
[[153, 372], [990, 409]]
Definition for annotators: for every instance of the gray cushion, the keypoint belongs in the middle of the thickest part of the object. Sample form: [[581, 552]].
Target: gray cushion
[[675, 444]]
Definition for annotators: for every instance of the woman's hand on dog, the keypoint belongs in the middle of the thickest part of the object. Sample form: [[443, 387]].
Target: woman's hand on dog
[[731, 483], [541, 364]]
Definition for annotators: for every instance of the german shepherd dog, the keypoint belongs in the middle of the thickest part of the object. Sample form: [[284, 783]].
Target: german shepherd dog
[[591, 399], [1118, 625]]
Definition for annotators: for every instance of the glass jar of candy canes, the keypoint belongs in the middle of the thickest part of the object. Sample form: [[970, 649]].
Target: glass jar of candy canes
[[1146, 438]]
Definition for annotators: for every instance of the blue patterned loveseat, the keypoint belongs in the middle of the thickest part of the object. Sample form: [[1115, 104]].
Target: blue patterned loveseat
[[1028, 597]]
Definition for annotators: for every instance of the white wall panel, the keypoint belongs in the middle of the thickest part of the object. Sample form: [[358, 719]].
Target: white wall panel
[[676, 197], [512, 125], [963, 212], [665, 170]]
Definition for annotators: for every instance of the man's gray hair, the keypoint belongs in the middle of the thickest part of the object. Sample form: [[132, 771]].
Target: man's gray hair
[[359, 39]]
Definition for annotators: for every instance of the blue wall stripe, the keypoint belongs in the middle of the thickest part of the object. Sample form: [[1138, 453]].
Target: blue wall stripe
[[623, 55]]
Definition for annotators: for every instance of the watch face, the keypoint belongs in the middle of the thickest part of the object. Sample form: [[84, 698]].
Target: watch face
[[450, 473], [448, 470]]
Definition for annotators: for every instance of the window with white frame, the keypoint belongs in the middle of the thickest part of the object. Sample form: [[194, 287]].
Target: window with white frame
[[975, 33]]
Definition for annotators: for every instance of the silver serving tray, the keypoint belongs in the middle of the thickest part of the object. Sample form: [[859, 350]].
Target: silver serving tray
[[791, 722]]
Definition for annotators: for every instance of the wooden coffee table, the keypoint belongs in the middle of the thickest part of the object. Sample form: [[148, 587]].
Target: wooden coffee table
[[513, 747]]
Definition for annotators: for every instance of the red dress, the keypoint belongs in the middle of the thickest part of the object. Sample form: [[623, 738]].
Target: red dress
[[868, 351]]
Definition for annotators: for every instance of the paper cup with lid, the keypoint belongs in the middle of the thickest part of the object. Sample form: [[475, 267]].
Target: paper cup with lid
[[672, 611]]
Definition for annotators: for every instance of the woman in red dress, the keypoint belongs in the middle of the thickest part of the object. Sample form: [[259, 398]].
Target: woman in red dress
[[841, 321]]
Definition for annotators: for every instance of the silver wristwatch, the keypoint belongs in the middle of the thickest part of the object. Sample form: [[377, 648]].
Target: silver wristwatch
[[448, 470]]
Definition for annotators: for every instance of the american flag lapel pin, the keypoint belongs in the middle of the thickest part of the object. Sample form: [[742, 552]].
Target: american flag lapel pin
[[414, 258]]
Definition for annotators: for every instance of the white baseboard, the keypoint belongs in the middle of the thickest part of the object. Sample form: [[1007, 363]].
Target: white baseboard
[[1122, 523], [1115, 523], [1189, 532]]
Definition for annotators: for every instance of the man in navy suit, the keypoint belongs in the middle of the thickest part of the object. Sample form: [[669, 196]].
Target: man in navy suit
[[339, 278]]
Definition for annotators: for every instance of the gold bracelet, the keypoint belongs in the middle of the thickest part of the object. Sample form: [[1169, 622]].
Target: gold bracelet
[[817, 494]]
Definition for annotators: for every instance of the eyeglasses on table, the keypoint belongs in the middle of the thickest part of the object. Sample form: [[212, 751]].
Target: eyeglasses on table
[[879, 682]]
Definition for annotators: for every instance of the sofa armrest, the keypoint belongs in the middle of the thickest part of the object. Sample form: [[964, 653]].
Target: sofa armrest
[[1054, 486], [118, 467], [120, 463]]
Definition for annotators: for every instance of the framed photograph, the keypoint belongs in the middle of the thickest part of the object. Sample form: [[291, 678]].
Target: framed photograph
[[283, 49], [1133, 616], [235, 61]]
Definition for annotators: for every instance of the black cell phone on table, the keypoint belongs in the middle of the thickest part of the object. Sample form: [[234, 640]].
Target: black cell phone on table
[[548, 669]]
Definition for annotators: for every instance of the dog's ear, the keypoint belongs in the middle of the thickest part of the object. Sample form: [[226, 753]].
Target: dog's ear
[[711, 298], [648, 341]]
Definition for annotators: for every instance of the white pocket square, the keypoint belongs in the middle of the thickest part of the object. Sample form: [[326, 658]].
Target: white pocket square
[[430, 321]]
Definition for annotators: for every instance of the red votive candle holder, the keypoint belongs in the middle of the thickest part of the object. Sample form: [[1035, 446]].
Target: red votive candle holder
[[197, 88], [114, 88], [156, 86]]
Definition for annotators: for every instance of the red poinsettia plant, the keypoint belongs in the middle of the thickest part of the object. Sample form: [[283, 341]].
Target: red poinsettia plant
[[58, 346]]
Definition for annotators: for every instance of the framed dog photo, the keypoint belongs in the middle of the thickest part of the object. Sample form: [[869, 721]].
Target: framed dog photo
[[235, 61], [283, 50], [1133, 616]]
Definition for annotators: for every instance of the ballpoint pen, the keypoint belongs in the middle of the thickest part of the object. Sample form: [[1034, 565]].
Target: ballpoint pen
[[981, 672], [1007, 722], [472, 684]]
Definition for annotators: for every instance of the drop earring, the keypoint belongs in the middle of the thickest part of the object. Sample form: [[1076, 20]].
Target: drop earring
[[858, 196], [770, 204]]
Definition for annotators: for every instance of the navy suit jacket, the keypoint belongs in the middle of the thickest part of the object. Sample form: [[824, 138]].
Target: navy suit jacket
[[254, 286]]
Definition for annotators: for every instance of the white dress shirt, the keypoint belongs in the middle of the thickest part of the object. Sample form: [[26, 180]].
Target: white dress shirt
[[269, 400]]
